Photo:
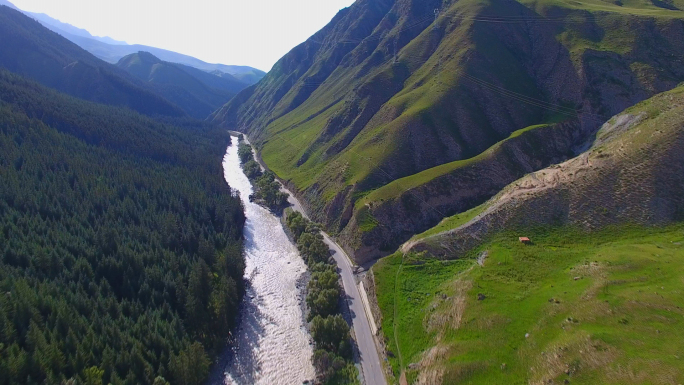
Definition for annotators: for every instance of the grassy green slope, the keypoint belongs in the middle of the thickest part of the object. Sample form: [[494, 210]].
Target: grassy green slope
[[617, 324], [392, 214], [632, 172], [396, 188], [413, 88], [338, 119], [627, 7], [599, 306], [614, 34]]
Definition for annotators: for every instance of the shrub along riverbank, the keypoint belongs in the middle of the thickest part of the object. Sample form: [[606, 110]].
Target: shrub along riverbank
[[266, 187], [333, 355]]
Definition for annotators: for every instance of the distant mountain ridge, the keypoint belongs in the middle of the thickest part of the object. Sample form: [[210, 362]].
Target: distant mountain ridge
[[33, 51], [8, 4], [112, 51], [61, 27], [64, 28], [199, 93]]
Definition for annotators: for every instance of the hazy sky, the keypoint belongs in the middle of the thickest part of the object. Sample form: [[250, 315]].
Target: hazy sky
[[243, 32]]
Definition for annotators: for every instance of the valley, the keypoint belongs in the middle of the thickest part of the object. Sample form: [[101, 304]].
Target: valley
[[356, 117], [421, 192], [371, 368], [427, 145], [272, 343]]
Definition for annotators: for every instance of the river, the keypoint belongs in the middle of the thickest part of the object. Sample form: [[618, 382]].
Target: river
[[272, 344]]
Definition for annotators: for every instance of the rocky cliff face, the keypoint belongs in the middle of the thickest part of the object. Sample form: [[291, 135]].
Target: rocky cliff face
[[634, 173], [403, 212], [605, 82], [343, 115]]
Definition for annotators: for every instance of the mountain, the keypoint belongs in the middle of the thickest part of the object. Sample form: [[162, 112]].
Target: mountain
[[112, 225], [149, 68], [68, 29], [112, 51], [8, 4], [60, 27], [591, 300], [197, 92], [248, 78], [31, 50], [633, 173], [389, 90]]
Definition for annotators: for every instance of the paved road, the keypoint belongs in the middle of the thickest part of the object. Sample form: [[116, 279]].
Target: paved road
[[370, 360], [369, 357]]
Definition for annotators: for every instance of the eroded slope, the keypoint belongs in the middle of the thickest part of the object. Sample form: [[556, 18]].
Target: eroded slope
[[596, 298], [633, 173], [342, 115]]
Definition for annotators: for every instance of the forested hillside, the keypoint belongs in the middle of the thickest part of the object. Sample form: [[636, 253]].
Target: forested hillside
[[199, 93], [120, 243]]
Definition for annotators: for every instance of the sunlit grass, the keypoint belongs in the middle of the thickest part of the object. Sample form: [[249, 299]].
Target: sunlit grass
[[607, 304]]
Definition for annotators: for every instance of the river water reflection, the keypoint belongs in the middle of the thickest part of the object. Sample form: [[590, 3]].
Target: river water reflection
[[272, 345]]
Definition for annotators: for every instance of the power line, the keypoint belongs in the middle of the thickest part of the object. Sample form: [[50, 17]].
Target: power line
[[521, 97], [491, 87], [414, 59], [479, 19]]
